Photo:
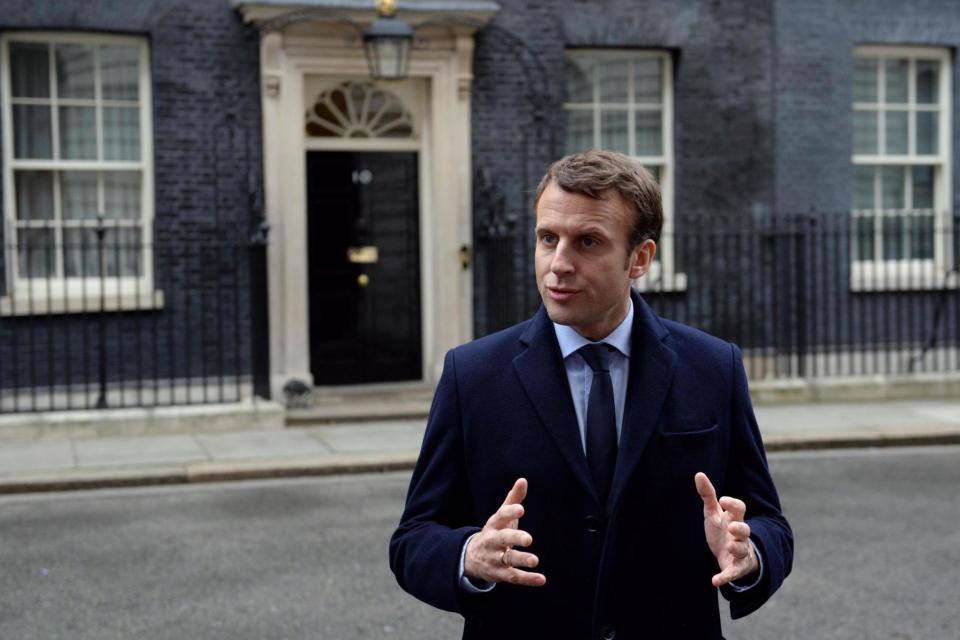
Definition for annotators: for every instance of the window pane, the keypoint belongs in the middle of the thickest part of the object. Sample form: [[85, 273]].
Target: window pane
[[579, 76], [920, 237], [78, 195], [649, 133], [613, 80], [655, 171], [865, 80], [29, 70], [648, 80], [893, 238], [863, 188], [897, 132], [121, 252], [928, 77], [31, 125], [891, 188], [119, 72], [896, 86], [121, 195], [74, 71], [80, 253], [613, 131], [127, 256], [927, 132], [78, 133], [34, 195], [36, 254], [863, 238], [923, 187], [579, 130], [121, 133], [865, 132]]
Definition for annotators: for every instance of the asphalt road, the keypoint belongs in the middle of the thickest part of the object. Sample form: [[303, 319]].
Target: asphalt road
[[878, 556]]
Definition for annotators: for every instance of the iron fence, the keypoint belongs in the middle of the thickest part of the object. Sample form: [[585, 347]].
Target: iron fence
[[103, 320], [820, 294], [107, 321]]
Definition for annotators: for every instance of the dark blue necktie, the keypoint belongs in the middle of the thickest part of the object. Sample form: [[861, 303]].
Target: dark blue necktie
[[601, 419]]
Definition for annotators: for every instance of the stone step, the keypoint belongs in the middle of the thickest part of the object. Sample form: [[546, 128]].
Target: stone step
[[336, 406]]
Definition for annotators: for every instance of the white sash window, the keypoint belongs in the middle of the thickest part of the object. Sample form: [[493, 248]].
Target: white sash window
[[623, 101], [77, 158], [901, 205]]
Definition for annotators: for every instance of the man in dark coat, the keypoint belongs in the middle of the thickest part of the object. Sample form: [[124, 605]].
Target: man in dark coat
[[607, 430]]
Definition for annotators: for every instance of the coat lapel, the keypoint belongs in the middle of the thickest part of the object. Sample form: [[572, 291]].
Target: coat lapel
[[652, 366], [544, 379]]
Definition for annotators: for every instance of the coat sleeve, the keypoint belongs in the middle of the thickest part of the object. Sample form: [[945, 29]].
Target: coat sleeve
[[425, 549], [748, 478]]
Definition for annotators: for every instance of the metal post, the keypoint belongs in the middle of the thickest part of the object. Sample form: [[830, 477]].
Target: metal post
[[259, 312], [801, 294], [101, 233]]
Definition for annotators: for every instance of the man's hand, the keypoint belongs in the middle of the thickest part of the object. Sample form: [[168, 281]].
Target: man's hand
[[490, 555], [728, 536]]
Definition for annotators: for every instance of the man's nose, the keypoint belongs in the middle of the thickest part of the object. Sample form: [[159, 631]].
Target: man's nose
[[562, 260]]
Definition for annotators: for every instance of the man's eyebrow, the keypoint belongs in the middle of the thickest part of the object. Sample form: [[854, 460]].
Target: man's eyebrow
[[593, 231]]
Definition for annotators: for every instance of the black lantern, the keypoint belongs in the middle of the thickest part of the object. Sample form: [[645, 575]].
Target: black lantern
[[387, 43]]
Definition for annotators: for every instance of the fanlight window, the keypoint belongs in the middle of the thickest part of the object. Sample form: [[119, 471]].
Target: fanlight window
[[358, 110]]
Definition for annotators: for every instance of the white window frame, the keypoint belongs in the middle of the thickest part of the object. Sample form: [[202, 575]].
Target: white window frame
[[57, 293], [662, 275], [921, 273]]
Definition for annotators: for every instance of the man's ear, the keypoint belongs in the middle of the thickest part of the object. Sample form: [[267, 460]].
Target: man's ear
[[641, 258]]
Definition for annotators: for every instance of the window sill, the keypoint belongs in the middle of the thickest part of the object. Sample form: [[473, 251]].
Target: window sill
[[23, 305], [657, 283], [892, 280]]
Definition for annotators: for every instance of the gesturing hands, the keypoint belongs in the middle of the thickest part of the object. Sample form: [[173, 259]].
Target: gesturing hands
[[490, 554], [728, 536]]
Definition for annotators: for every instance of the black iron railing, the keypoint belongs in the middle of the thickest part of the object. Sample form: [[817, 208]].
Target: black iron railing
[[820, 294], [110, 322]]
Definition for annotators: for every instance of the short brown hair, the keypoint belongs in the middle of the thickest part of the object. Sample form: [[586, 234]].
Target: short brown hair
[[594, 173]]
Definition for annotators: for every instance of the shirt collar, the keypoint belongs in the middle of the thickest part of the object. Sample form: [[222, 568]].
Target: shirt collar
[[619, 338]]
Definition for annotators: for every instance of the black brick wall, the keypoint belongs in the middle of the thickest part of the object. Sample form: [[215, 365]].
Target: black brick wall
[[814, 68], [723, 134], [207, 171], [763, 129]]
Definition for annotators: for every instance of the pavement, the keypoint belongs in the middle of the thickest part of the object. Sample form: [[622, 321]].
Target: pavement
[[52, 463]]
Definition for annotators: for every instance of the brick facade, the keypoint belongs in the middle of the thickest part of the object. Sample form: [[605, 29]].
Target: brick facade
[[207, 172]]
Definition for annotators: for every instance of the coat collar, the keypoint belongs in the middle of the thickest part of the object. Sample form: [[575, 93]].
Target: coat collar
[[543, 377]]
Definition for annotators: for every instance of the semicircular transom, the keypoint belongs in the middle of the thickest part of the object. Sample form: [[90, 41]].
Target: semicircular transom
[[359, 109]]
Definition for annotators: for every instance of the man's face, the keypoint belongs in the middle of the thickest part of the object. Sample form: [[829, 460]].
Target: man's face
[[583, 266]]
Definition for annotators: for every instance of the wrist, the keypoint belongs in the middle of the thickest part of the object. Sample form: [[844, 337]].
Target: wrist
[[469, 564]]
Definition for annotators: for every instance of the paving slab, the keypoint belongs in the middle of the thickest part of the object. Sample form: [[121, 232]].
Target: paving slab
[[946, 414], [838, 417], [396, 435], [31, 455], [111, 452], [255, 445]]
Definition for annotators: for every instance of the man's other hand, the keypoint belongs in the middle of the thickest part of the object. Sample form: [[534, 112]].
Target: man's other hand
[[491, 555], [728, 536]]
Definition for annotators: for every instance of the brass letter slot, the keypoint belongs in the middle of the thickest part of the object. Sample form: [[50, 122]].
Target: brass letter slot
[[363, 255]]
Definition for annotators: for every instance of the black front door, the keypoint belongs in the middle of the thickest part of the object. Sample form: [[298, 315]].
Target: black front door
[[364, 256]]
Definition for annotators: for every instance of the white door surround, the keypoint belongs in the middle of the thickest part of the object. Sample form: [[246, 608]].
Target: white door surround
[[297, 64]]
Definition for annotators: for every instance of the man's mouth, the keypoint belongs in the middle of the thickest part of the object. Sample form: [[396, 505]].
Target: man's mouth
[[561, 294]]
